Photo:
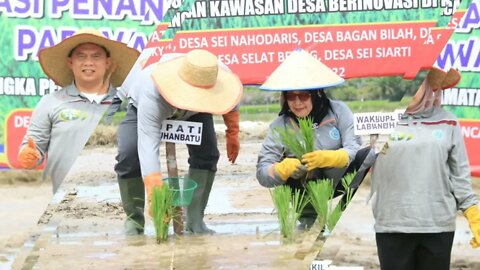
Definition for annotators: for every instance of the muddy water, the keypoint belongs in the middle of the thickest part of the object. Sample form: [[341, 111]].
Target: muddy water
[[82, 229], [84, 225]]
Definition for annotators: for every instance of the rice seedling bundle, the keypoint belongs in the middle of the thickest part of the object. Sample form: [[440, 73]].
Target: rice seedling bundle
[[297, 140], [289, 207], [162, 211], [321, 194], [347, 197], [346, 181]]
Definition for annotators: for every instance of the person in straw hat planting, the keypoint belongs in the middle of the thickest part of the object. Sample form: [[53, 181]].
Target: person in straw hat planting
[[302, 80], [188, 87], [88, 66], [421, 178]]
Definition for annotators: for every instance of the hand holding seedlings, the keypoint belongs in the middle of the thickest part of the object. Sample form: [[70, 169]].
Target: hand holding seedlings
[[287, 167], [151, 181], [300, 172], [325, 159]]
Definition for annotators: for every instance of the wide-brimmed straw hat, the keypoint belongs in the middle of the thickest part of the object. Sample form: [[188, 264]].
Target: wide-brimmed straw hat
[[196, 82], [452, 79], [301, 71], [439, 79], [53, 60]]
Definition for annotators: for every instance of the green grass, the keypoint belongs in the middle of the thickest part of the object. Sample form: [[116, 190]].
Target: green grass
[[355, 106], [268, 112]]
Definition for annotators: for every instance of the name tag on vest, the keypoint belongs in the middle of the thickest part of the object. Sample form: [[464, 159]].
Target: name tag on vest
[[182, 132]]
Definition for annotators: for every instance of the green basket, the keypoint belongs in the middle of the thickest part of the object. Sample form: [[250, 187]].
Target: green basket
[[182, 188]]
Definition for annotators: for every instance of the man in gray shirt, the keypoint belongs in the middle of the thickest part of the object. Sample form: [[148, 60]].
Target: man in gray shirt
[[188, 87], [88, 66], [420, 180]]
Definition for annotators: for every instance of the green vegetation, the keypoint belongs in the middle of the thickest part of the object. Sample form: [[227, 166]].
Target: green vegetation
[[289, 205], [321, 193], [162, 211], [348, 193], [297, 140], [268, 112]]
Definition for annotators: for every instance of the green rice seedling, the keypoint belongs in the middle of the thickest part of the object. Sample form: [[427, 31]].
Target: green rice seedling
[[321, 193], [162, 211], [348, 195], [306, 130], [346, 181], [333, 219], [289, 207], [297, 140]]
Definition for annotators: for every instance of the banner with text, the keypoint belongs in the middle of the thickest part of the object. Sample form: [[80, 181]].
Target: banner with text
[[28, 26], [356, 39]]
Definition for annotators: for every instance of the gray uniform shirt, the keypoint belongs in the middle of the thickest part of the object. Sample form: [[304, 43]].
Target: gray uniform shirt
[[335, 132], [422, 176], [61, 124], [152, 109]]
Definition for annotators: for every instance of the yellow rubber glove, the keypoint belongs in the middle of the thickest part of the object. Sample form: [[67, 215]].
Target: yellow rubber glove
[[473, 216], [287, 167], [152, 180], [325, 158], [300, 172], [232, 120], [29, 156]]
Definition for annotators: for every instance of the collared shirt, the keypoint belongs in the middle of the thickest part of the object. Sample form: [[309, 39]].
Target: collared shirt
[[152, 109], [61, 125], [335, 132], [421, 178]]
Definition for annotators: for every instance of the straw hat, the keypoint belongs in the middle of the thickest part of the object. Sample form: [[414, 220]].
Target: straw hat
[[53, 60], [426, 97], [195, 82], [301, 71], [441, 80], [452, 79]]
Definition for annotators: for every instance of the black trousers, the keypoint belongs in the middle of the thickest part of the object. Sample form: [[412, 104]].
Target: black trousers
[[204, 156], [414, 251]]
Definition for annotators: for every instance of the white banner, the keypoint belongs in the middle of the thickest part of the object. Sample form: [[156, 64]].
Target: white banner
[[376, 122]]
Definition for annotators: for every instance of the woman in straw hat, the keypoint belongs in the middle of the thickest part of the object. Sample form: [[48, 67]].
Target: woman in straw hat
[[88, 66], [420, 180], [302, 78], [188, 87]]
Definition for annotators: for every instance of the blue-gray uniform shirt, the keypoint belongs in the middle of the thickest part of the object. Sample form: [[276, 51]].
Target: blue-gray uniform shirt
[[335, 132], [61, 125], [422, 176]]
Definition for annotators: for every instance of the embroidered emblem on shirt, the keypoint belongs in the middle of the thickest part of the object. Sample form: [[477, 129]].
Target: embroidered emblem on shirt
[[438, 134], [72, 115], [334, 134], [399, 136]]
